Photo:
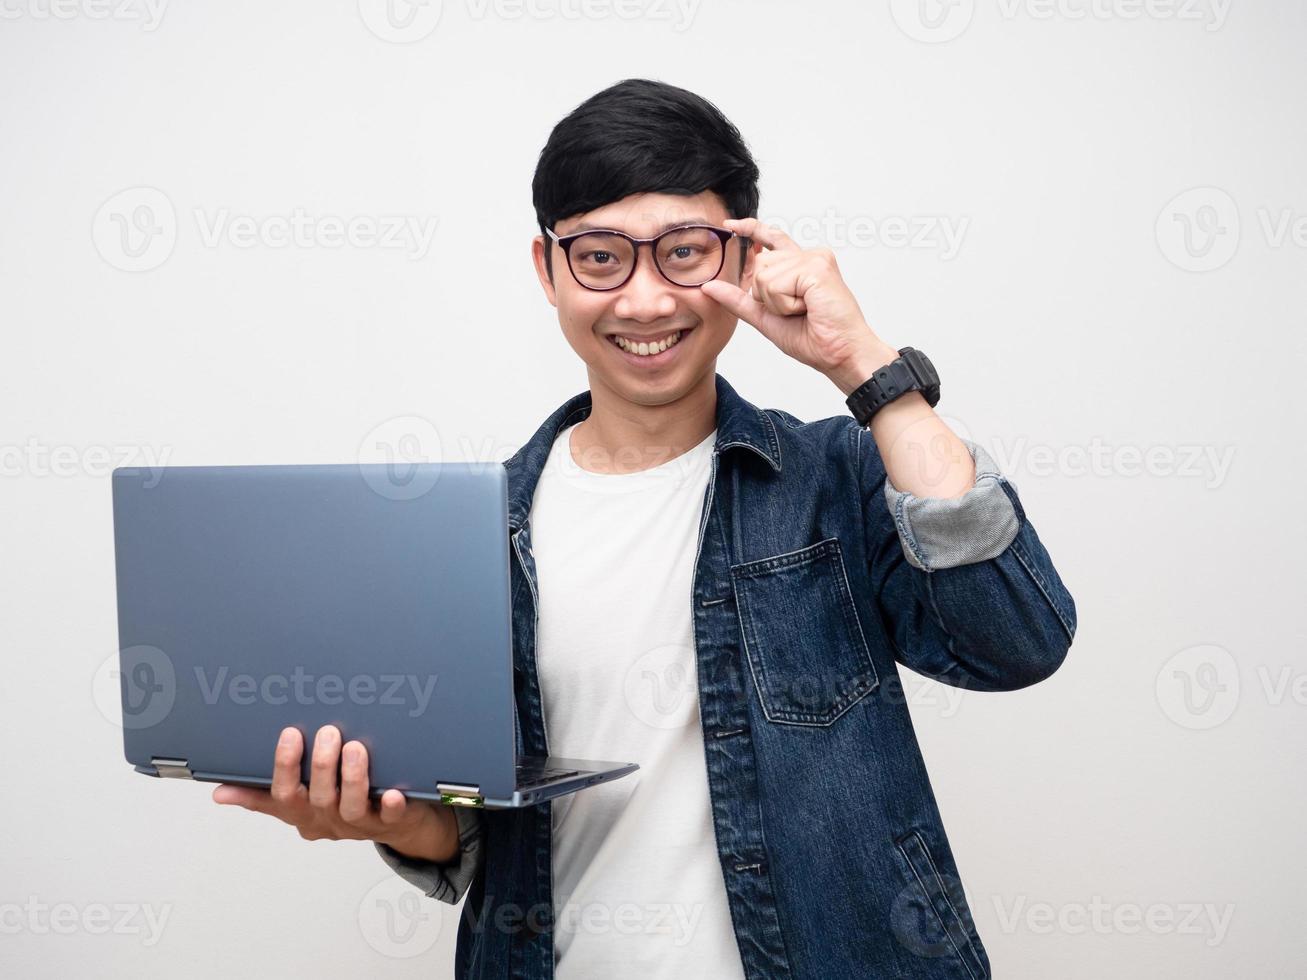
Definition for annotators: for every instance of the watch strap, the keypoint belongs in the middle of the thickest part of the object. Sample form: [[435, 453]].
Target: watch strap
[[910, 371]]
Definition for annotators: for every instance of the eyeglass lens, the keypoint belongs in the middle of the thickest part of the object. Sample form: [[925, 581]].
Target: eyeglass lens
[[686, 256]]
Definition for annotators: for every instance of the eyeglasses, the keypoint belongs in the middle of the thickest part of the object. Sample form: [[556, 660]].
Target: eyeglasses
[[688, 255]]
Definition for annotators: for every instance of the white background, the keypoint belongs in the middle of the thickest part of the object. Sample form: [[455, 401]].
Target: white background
[[1137, 815]]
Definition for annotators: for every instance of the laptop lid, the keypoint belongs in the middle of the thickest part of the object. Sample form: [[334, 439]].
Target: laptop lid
[[255, 597]]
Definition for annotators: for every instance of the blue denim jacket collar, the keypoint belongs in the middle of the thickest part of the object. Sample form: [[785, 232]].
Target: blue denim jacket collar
[[739, 424]]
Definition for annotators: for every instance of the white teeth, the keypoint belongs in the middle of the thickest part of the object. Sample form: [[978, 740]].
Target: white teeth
[[644, 349]]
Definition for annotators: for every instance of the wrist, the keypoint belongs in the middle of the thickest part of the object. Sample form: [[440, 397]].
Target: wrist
[[859, 366], [435, 839]]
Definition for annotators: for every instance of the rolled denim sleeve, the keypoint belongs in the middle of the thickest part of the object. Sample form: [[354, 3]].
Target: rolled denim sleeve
[[939, 532], [965, 588], [445, 881]]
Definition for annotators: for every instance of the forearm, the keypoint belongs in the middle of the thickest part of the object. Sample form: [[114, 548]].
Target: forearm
[[449, 876], [922, 455], [968, 590]]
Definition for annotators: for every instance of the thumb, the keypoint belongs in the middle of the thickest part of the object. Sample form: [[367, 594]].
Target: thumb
[[734, 299], [744, 306], [230, 795]]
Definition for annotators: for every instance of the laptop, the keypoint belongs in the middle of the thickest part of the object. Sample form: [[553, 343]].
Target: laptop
[[368, 596]]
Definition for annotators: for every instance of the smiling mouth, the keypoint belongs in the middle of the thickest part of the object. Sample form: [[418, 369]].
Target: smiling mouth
[[649, 348]]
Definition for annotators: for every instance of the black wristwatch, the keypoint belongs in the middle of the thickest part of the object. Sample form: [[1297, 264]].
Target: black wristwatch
[[910, 371]]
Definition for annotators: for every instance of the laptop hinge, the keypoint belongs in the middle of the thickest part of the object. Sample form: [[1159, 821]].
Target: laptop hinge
[[460, 794], [172, 768]]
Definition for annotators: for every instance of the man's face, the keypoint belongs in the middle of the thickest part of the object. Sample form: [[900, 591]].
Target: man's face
[[648, 307]]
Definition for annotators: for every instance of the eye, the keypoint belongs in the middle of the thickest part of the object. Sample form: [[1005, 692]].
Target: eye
[[682, 252]]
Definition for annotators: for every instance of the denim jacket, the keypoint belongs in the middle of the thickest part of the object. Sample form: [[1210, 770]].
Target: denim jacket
[[813, 577]]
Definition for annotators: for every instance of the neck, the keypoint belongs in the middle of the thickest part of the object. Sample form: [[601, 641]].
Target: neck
[[624, 436]]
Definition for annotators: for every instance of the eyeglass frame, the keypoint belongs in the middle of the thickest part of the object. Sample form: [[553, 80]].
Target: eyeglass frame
[[565, 243]]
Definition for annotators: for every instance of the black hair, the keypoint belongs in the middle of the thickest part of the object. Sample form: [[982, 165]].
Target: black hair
[[641, 136]]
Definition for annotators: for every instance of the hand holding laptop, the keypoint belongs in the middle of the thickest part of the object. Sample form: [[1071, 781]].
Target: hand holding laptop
[[322, 811]]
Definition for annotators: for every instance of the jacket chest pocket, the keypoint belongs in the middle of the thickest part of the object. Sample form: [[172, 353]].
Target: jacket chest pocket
[[802, 637]]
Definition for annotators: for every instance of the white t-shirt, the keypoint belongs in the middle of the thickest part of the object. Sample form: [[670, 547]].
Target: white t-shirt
[[638, 888]]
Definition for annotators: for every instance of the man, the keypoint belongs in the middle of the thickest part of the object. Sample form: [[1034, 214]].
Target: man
[[720, 593]]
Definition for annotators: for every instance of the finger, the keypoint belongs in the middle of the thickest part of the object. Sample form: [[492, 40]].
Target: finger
[[287, 789], [766, 297], [355, 808], [768, 235], [786, 305], [323, 769], [770, 274], [759, 290], [778, 290], [251, 799], [394, 807], [745, 307]]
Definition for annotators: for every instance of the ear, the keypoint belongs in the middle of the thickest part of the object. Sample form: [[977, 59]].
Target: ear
[[538, 246], [750, 264]]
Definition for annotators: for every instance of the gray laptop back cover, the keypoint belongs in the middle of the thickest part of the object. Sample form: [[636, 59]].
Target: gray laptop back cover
[[255, 597]]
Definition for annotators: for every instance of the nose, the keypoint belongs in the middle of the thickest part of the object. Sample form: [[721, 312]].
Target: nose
[[647, 296]]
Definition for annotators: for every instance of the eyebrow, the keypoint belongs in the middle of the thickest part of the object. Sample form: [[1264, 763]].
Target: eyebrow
[[588, 226]]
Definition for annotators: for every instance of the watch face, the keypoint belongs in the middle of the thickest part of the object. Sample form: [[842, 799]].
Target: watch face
[[916, 365], [914, 371]]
